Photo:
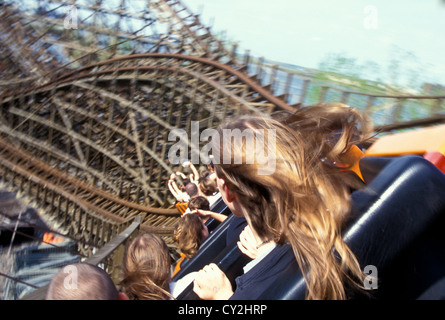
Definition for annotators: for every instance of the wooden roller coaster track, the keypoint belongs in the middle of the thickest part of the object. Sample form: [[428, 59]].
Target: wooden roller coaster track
[[85, 110], [97, 140]]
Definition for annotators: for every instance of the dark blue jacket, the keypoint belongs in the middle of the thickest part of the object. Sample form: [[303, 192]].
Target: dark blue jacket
[[252, 284]]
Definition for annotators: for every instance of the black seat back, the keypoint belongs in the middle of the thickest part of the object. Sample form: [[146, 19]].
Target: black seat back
[[395, 229]]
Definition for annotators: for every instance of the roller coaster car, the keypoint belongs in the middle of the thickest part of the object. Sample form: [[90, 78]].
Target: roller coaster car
[[395, 230]]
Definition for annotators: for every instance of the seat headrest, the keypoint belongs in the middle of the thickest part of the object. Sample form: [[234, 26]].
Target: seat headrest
[[400, 203]]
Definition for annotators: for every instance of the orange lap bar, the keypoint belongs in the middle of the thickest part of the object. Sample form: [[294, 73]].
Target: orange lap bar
[[352, 157], [182, 206], [427, 142], [178, 264]]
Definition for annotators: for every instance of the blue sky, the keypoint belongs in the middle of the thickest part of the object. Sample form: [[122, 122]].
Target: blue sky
[[303, 32]]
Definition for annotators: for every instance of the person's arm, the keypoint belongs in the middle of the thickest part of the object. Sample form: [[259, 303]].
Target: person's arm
[[180, 174], [204, 213], [194, 177], [172, 186], [212, 284], [177, 196]]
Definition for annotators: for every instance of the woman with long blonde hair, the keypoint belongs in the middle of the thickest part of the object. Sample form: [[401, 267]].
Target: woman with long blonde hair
[[302, 202]]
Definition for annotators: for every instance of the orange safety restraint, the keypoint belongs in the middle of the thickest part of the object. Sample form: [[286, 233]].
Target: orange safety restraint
[[351, 161], [426, 142], [178, 264], [182, 206]]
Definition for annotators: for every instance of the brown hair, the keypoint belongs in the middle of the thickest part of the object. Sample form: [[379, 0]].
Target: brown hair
[[207, 185], [305, 200], [188, 235], [146, 268], [199, 202]]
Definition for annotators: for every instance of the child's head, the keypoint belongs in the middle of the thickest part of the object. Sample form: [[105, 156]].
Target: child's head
[[189, 234], [199, 202], [207, 185]]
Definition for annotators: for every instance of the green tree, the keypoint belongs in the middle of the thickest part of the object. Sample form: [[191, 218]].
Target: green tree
[[340, 63]]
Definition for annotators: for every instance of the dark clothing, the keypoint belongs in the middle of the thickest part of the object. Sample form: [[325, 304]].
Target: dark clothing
[[237, 225], [252, 284]]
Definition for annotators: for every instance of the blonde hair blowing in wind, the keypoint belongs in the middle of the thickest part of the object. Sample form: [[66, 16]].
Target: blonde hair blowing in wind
[[305, 200]]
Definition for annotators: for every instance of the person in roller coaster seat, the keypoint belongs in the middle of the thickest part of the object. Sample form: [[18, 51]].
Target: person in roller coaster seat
[[83, 281], [294, 209], [146, 270]]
